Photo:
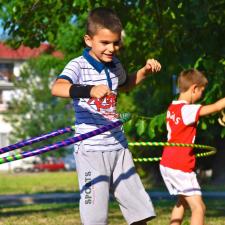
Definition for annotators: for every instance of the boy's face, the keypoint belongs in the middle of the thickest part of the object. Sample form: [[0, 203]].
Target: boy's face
[[104, 44]]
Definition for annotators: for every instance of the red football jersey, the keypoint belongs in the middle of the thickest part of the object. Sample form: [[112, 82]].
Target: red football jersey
[[181, 121]]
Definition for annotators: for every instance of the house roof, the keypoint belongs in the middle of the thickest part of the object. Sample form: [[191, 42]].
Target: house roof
[[24, 52]]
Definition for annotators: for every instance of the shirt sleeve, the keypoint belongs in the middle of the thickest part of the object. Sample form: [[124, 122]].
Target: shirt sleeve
[[122, 75], [190, 113], [71, 72]]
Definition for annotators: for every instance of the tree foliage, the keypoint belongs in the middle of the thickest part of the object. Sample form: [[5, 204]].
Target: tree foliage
[[33, 110], [180, 34]]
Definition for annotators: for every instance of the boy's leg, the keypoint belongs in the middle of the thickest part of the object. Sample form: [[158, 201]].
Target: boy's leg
[[185, 184], [178, 211], [197, 207], [94, 188], [129, 191]]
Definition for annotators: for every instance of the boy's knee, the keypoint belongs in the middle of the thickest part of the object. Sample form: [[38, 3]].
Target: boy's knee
[[200, 208], [203, 207]]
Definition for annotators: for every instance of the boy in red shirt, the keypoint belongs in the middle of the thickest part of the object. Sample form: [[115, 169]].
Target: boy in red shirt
[[178, 163]]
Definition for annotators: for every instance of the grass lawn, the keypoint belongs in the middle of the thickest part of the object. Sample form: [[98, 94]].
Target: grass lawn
[[30, 183], [68, 214]]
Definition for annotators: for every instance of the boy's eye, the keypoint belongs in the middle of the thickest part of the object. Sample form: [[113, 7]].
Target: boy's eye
[[116, 43], [105, 42]]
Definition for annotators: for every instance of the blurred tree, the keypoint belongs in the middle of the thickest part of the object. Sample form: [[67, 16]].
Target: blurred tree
[[180, 34], [33, 110]]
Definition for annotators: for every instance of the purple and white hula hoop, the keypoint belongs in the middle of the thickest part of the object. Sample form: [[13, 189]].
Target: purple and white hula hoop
[[123, 118]]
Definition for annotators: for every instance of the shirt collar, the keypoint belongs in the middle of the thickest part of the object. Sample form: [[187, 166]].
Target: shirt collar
[[99, 66], [175, 102]]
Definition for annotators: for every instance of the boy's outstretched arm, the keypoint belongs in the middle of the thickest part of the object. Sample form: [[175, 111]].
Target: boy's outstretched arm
[[151, 66], [212, 108]]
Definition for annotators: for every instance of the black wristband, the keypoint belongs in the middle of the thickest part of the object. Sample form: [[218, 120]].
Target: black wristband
[[80, 91]]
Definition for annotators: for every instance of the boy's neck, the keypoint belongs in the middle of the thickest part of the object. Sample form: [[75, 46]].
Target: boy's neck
[[186, 96]]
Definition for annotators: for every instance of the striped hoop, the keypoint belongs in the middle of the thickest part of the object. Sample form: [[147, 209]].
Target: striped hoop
[[211, 150]]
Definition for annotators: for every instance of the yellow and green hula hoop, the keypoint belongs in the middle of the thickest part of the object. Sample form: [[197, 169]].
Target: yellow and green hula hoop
[[209, 149]]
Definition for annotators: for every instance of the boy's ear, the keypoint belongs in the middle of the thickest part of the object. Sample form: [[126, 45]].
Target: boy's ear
[[193, 88], [88, 40]]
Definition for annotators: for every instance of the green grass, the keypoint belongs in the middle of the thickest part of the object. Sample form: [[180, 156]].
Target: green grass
[[30, 183], [68, 214]]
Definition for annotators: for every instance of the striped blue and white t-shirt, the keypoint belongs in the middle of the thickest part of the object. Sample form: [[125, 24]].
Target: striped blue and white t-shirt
[[92, 113]]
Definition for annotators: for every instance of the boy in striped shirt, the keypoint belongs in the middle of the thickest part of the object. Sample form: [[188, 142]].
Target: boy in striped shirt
[[104, 163]]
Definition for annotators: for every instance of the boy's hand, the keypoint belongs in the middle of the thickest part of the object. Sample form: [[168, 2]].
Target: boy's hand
[[100, 91], [221, 119], [152, 66]]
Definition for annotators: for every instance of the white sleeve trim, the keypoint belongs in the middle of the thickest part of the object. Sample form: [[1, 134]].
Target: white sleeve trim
[[189, 113]]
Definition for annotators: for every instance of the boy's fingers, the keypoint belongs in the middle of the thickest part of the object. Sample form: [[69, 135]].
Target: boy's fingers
[[153, 65], [156, 65], [101, 90]]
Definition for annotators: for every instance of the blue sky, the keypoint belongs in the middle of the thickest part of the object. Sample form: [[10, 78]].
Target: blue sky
[[2, 36], [1, 29]]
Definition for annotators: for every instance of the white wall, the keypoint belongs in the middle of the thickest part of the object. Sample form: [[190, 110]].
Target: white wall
[[5, 128], [17, 67]]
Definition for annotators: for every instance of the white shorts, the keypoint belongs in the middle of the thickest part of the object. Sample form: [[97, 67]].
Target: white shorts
[[102, 173], [179, 182]]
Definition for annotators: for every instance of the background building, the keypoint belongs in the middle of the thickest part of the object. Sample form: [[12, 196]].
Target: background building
[[11, 62]]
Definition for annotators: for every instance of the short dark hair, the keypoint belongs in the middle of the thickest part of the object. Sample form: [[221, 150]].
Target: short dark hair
[[103, 18], [189, 77]]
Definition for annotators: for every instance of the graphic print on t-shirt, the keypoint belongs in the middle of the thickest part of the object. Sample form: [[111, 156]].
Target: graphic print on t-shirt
[[106, 105]]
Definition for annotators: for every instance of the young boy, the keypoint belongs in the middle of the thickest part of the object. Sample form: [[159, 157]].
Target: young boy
[[104, 163], [178, 163]]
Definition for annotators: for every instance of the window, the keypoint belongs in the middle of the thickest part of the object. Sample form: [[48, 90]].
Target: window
[[6, 71]]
